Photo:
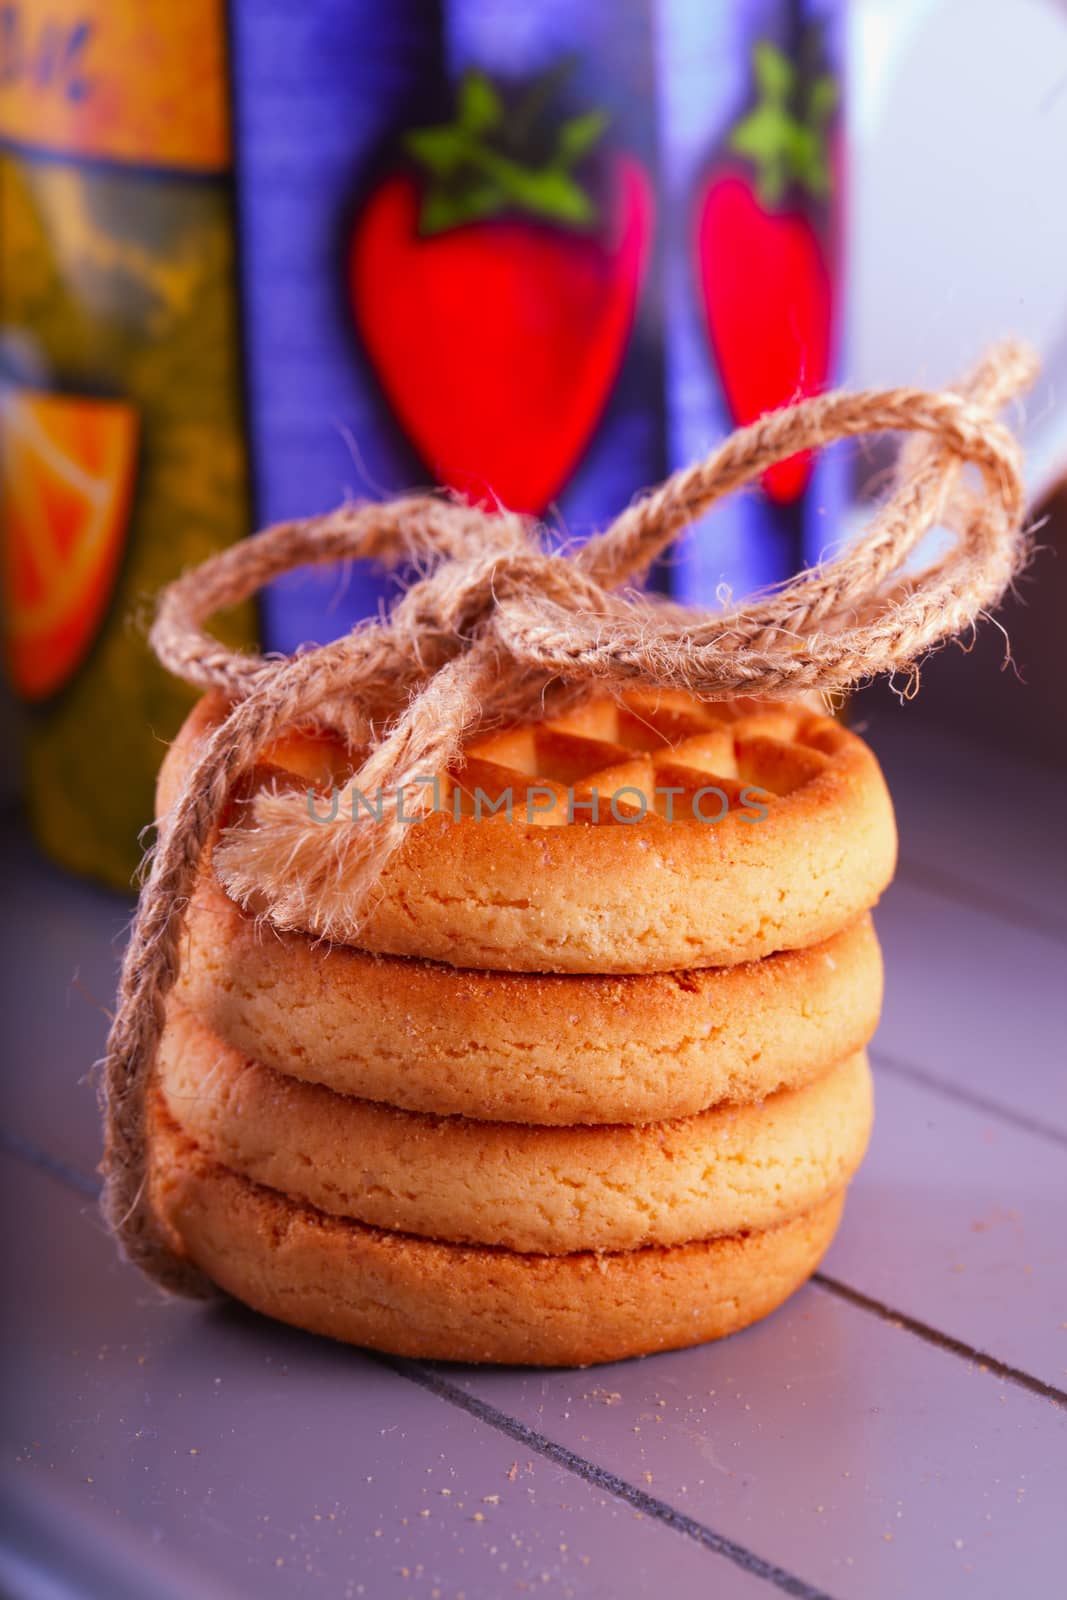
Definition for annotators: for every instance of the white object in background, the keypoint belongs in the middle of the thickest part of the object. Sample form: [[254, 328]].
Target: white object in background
[[957, 228]]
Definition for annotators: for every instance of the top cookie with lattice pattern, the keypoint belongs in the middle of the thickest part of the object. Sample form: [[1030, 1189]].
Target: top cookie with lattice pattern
[[650, 833]]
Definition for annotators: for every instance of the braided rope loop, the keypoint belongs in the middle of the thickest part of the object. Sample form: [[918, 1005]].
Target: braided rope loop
[[494, 618]]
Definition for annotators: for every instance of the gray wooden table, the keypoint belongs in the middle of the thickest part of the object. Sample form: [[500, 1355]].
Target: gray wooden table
[[898, 1429]]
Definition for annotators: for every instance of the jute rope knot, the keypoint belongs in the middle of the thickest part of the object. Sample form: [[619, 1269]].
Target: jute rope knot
[[494, 620]]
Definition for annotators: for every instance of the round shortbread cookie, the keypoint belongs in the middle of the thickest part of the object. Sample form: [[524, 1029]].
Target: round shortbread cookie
[[415, 1297], [545, 891], [542, 1190], [538, 1048]]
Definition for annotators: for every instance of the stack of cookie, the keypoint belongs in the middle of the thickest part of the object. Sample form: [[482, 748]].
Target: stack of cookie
[[592, 1083]]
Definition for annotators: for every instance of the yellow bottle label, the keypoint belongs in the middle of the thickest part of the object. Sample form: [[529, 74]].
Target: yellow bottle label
[[142, 81], [122, 446]]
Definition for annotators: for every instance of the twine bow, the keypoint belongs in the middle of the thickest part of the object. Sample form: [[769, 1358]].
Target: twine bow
[[495, 619]]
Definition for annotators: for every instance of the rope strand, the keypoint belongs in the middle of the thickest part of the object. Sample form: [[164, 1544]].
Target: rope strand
[[492, 621]]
